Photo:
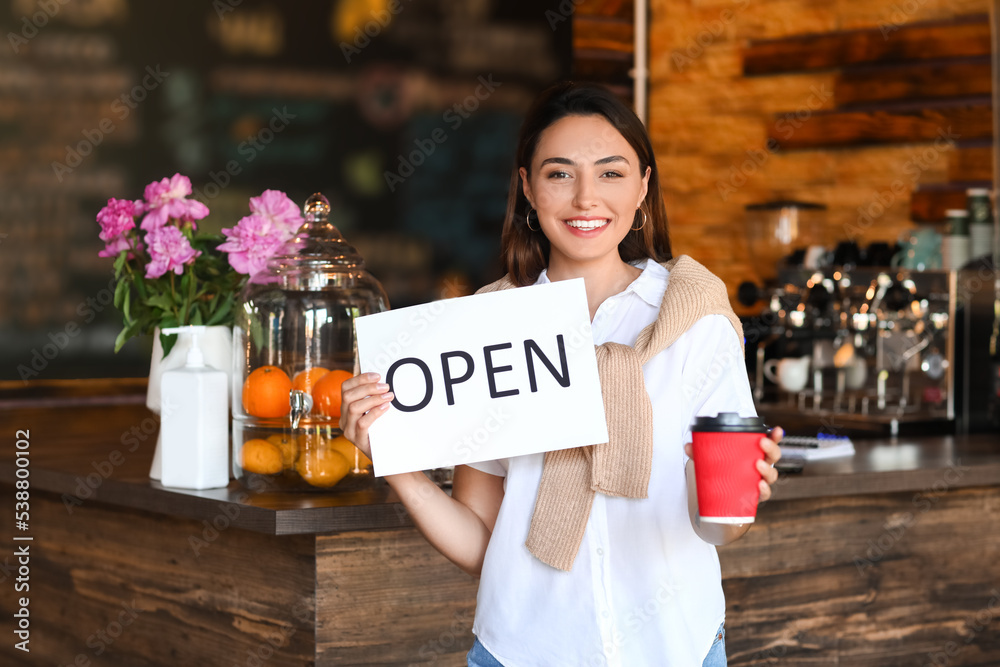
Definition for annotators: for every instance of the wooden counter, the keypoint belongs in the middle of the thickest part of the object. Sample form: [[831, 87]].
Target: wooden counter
[[886, 558]]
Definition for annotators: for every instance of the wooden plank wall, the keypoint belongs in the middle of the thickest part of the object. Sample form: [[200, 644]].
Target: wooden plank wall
[[123, 588], [711, 120], [888, 580], [388, 598], [604, 44]]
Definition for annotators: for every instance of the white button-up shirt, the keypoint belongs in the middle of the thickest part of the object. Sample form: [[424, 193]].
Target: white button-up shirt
[[645, 589]]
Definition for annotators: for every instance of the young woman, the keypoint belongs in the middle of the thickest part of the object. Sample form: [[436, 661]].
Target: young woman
[[597, 557]]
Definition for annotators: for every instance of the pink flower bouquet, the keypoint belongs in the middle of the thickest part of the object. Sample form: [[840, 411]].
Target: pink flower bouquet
[[168, 273]]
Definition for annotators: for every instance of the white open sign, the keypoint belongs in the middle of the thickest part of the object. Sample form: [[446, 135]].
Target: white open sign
[[484, 377]]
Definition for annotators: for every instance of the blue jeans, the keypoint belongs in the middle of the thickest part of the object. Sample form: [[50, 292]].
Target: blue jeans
[[480, 657], [717, 654]]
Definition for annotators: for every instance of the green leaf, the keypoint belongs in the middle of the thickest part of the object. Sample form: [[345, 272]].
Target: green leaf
[[195, 318], [161, 301], [140, 287], [126, 301], [220, 313], [125, 334], [167, 340], [119, 293], [120, 263]]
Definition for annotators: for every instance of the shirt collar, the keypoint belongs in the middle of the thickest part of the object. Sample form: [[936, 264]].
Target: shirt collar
[[651, 283], [649, 286]]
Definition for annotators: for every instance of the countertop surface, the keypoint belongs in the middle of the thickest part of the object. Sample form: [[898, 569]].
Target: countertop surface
[[89, 450]]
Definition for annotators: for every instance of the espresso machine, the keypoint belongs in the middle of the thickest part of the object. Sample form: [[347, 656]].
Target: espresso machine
[[845, 342], [856, 349]]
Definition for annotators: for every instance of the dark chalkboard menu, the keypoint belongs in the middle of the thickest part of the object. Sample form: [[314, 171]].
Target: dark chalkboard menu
[[403, 112]]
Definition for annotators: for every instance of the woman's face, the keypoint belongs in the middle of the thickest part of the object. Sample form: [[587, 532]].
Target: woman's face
[[585, 184]]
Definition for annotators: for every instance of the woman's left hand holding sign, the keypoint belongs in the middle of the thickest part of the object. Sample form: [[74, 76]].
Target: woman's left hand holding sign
[[364, 399]]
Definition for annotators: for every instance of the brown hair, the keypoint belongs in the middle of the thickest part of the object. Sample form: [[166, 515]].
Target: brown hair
[[525, 252]]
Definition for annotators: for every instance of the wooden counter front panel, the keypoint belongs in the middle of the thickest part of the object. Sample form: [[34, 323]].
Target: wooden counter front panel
[[389, 598], [243, 594], [869, 581]]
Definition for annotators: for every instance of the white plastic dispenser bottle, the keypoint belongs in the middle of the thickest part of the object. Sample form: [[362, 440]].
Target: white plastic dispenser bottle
[[194, 421]]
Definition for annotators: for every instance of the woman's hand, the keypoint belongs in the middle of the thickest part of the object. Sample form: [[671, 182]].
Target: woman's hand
[[772, 454], [363, 400], [720, 534]]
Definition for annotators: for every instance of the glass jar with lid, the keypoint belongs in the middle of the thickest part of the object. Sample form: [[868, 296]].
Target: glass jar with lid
[[294, 344]]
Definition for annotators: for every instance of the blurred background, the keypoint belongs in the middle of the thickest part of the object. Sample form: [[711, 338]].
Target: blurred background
[[342, 97], [874, 118]]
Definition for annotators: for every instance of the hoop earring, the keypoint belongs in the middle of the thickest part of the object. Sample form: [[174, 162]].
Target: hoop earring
[[527, 220], [636, 229]]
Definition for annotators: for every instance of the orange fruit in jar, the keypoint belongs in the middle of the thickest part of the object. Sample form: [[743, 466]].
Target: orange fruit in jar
[[260, 456], [265, 392], [326, 392], [304, 380], [322, 467], [346, 448], [289, 448]]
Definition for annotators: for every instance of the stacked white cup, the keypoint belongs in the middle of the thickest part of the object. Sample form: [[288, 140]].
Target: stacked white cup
[[980, 222], [955, 247], [980, 240]]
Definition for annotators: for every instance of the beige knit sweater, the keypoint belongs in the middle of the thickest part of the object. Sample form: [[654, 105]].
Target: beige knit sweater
[[621, 466]]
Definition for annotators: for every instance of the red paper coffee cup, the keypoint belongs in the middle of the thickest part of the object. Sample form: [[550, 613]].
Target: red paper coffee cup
[[726, 449]]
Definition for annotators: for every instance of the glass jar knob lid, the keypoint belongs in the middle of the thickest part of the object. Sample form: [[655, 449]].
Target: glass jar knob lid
[[317, 208]]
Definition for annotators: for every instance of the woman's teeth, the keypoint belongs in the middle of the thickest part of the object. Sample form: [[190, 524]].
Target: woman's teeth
[[586, 224]]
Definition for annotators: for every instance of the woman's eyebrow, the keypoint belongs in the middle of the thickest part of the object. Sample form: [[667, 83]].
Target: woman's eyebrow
[[563, 160]]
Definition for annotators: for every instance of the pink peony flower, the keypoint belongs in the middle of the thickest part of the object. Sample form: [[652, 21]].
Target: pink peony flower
[[279, 209], [166, 199], [118, 217], [169, 250], [252, 242], [116, 245]]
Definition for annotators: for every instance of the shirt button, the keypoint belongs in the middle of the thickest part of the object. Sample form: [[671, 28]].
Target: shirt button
[[600, 551], [606, 614]]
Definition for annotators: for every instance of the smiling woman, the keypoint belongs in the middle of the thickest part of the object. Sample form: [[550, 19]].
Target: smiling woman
[[586, 202], [569, 543], [616, 159]]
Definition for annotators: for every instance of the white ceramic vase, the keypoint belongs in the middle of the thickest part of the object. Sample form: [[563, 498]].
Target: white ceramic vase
[[216, 345]]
